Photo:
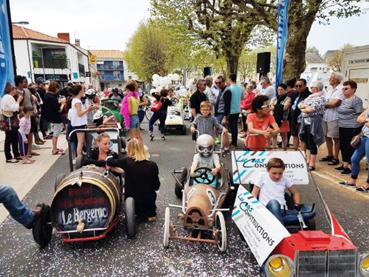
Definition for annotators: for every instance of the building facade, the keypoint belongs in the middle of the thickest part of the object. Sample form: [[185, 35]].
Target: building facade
[[52, 58], [355, 66]]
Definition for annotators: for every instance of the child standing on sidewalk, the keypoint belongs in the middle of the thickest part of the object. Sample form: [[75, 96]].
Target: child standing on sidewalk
[[23, 133]]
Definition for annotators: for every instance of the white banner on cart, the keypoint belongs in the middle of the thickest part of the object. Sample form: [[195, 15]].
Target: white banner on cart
[[248, 165], [260, 228]]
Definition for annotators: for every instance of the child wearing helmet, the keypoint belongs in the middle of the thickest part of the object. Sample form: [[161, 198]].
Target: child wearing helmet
[[205, 156]]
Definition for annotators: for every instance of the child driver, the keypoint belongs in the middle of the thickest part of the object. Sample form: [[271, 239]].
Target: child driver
[[270, 189], [206, 157]]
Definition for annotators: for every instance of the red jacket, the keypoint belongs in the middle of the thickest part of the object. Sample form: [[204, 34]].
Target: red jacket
[[247, 99]]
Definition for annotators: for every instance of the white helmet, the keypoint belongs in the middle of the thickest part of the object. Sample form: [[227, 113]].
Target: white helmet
[[90, 92], [205, 145]]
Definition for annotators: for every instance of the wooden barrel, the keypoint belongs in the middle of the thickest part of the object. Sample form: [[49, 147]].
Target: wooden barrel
[[199, 205], [87, 195]]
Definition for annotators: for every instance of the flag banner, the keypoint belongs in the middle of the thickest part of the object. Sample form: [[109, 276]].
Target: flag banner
[[6, 53], [282, 32]]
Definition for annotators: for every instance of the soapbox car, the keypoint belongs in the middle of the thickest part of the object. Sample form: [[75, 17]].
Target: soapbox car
[[87, 202], [304, 246], [175, 119], [201, 211]]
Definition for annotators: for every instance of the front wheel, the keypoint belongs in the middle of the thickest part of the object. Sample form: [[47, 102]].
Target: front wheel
[[184, 130], [166, 228], [222, 231], [178, 190], [130, 217]]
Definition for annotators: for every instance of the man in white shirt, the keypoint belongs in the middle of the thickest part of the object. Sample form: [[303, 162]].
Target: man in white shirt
[[266, 88], [334, 97], [211, 91]]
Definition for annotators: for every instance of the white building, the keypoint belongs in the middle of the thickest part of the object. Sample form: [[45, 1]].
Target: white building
[[316, 70], [355, 66], [52, 58]]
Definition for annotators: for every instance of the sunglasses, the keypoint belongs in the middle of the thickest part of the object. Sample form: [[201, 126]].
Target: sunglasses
[[202, 148], [266, 106], [218, 83]]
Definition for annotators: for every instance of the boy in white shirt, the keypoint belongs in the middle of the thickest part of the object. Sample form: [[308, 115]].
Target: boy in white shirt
[[270, 189]]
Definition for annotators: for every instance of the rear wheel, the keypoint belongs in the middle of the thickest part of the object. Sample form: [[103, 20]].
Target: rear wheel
[[166, 228], [222, 231], [178, 191], [130, 217], [184, 130]]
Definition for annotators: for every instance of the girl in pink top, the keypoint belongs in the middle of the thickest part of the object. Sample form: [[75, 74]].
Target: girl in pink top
[[23, 133]]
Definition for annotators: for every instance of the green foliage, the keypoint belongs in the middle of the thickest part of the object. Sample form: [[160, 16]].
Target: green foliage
[[220, 26], [149, 52], [247, 63]]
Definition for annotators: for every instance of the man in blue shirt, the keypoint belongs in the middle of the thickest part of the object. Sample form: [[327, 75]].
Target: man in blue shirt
[[236, 97]]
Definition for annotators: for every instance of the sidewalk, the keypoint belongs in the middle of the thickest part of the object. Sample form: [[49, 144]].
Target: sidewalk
[[328, 172], [22, 177]]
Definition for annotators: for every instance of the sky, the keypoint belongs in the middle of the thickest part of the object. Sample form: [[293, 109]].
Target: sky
[[109, 24]]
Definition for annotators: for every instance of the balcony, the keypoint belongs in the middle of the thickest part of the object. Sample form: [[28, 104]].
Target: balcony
[[107, 67], [111, 77], [54, 63]]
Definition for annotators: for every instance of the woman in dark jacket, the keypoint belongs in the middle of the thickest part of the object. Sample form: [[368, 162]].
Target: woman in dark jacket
[[141, 178], [161, 114], [52, 113], [99, 155]]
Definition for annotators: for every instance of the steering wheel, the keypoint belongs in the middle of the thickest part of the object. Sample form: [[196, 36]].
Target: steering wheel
[[204, 176]]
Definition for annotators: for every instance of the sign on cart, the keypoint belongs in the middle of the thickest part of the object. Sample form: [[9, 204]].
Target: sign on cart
[[248, 165], [260, 228]]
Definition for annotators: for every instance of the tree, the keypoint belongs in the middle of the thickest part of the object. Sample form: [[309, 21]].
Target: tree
[[148, 52], [248, 59], [302, 14], [218, 25]]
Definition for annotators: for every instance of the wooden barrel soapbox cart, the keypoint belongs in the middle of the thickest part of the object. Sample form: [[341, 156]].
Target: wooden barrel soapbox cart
[[88, 201]]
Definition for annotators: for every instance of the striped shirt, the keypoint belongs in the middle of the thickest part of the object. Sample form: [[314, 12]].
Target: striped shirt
[[207, 125]]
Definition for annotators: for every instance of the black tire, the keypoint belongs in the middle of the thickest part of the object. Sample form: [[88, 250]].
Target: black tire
[[130, 218], [178, 191], [42, 229], [184, 130], [58, 179], [311, 225], [123, 143]]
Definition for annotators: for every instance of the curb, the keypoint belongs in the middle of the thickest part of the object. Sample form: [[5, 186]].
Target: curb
[[333, 181]]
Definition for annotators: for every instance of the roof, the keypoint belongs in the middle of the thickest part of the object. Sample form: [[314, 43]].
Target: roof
[[108, 54], [312, 57], [330, 53], [20, 32]]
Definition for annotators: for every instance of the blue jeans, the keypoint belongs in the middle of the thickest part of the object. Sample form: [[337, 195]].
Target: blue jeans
[[15, 207], [134, 122], [219, 118], [360, 152], [288, 217], [161, 115]]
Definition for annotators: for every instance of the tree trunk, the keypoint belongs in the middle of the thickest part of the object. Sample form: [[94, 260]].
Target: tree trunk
[[232, 63], [299, 26]]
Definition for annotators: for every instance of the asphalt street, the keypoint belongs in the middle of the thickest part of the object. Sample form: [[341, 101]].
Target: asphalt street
[[144, 256]]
